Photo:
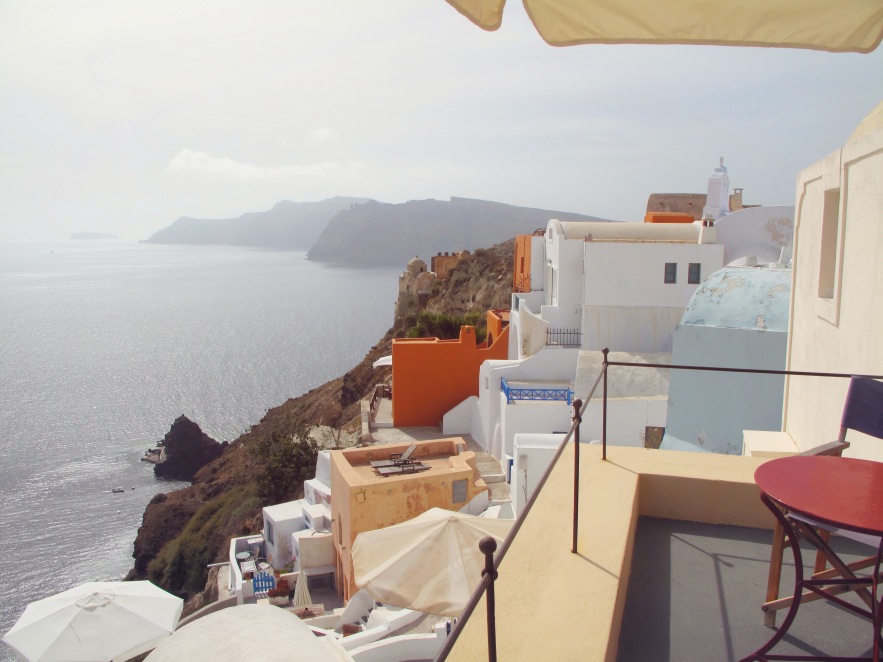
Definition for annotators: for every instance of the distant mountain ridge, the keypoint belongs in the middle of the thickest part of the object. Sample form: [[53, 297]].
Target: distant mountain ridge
[[358, 231], [294, 225], [378, 233]]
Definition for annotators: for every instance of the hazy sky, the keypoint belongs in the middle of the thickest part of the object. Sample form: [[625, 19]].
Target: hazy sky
[[121, 116]]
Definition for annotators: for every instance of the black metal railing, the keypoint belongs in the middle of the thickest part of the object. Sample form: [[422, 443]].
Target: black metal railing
[[563, 338], [488, 545]]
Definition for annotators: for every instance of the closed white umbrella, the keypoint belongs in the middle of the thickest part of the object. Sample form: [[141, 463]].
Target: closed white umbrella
[[430, 563], [829, 25], [98, 621], [302, 596]]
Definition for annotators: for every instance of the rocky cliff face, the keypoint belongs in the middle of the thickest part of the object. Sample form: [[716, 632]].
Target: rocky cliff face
[[187, 450], [184, 530]]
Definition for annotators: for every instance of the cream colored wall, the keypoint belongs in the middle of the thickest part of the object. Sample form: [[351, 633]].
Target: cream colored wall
[[360, 503], [844, 334]]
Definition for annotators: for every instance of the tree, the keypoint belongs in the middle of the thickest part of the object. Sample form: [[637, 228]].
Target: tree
[[287, 461]]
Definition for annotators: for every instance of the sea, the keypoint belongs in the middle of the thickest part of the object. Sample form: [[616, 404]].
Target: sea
[[104, 343]]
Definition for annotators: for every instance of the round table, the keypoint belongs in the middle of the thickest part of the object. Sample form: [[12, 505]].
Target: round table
[[842, 493], [243, 556]]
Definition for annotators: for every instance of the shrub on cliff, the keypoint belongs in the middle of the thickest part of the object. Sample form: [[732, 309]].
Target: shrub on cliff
[[287, 460], [446, 327]]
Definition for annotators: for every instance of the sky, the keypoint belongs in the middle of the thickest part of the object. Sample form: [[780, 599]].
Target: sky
[[120, 116]]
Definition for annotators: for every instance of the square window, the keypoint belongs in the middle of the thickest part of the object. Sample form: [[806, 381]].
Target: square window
[[671, 272], [694, 275]]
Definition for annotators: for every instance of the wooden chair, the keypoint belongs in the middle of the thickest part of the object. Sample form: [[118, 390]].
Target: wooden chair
[[863, 412]]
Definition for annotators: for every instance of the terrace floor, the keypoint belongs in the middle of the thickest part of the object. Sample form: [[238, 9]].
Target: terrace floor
[[695, 593]]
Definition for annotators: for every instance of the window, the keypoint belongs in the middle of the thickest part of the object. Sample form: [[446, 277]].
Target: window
[[694, 275], [671, 272], [828, 252], [269, 527]]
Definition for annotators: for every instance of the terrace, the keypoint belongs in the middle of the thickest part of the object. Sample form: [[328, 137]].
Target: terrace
[[671, 564]]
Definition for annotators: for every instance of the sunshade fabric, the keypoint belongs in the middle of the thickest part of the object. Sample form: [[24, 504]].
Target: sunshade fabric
[[430, 563], [96, 621], [829, 25]]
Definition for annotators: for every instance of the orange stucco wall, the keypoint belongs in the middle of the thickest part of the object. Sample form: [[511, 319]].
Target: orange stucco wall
[[667, 217], [363, 501], [521, 270], [432, 376], [496, 321]]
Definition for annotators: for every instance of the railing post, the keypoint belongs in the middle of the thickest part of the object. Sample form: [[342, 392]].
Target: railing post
[[604, 351], [577, 405], [488, 546]]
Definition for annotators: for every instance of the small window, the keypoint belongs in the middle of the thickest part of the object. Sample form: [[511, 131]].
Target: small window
[[671, 272], [269, 532], [694, 275]]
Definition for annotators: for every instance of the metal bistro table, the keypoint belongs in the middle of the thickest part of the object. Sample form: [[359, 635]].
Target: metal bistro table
[[841, 493]]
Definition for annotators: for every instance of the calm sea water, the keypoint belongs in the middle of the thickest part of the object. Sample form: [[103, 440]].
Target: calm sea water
[[104, 344]]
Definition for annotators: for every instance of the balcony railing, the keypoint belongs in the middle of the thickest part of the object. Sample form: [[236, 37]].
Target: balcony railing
[[548, 394], [563, 338], [488, 546]]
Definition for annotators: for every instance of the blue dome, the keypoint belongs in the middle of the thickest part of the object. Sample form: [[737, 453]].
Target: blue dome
[[742, 298]]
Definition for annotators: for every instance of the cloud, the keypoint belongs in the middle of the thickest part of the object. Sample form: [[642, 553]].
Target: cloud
[[321, 136], [188, 160]]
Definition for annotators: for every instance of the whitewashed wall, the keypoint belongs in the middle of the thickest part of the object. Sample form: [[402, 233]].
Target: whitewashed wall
[[841, 333]]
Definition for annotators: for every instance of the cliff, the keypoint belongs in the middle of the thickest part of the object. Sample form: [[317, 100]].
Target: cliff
[[184, 530], [187, 450], [294, 225], [377, 233]]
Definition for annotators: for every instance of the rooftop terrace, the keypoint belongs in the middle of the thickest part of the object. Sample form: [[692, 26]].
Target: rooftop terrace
[[685, 584]]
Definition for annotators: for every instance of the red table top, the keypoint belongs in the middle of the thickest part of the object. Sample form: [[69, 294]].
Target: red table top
[[845, 492]]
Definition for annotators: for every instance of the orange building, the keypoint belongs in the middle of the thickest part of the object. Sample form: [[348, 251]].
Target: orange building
[[432, 376], [362, 500], [521, 270], [497, 321], [442, 264]]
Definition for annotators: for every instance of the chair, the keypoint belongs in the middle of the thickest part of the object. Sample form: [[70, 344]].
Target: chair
[[862, 412], [396, 459], [399, 469]]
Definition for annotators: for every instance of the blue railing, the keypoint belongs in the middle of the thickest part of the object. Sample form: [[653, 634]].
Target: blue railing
[[550, 394]]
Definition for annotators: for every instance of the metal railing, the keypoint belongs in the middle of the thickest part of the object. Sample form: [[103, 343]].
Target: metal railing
[[563, 338], [488, 545], [550, 394]]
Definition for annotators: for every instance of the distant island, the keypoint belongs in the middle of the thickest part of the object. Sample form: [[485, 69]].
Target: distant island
[[294, 225], [358, 231], [92, 235]]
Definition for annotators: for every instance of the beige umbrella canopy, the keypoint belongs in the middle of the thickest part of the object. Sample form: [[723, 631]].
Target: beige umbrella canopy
[[248, 632], [828, 25], [430, 563]]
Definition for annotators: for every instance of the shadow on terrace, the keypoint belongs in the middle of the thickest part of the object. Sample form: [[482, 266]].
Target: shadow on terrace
[[667, 558]]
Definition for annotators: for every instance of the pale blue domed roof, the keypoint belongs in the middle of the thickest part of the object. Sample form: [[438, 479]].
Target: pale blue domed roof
[[742, 298]]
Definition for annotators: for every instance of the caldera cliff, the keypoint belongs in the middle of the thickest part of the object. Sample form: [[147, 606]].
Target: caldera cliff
[[185, 530]]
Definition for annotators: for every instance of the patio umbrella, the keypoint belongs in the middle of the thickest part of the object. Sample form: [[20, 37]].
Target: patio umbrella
[[96, 621], [828, 25], [248, 632], [430, 563], [302, 596]]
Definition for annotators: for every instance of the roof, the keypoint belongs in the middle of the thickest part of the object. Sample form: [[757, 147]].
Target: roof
[[742, 298], [284, 511], [593, 231]]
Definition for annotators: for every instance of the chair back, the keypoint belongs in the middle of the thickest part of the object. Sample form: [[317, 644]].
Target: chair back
[[863, 410]]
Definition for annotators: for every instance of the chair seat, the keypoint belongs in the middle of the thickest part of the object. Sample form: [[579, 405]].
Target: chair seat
[[863, 538]]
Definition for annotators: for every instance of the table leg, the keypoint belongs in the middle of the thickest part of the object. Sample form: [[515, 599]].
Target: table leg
[[794, 542]]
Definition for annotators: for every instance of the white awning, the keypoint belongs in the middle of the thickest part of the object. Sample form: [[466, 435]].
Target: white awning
[[382, 361]]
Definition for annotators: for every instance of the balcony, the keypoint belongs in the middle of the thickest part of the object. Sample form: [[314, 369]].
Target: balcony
[[671, 564]]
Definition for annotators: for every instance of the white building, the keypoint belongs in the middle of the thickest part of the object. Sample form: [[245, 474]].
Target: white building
[[837, 294], [738, 318]]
